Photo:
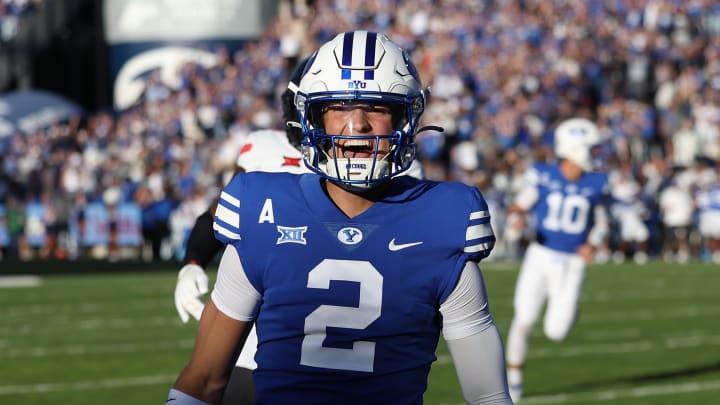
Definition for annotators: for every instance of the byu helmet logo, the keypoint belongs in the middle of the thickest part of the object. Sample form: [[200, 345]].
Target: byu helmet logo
[[357, 84]]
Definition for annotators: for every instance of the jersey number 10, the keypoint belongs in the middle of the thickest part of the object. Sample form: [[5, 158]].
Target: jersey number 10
[[566, 213]]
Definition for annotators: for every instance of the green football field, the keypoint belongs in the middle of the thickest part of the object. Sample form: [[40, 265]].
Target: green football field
[[646, 335]]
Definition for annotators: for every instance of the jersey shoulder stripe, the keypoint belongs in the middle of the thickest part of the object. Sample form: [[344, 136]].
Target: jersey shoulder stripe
[[249, 187], [227, 218], [479, 237]]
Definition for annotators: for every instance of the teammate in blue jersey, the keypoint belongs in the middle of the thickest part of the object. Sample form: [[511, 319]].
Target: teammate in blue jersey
[[351, 274], [568, 200]]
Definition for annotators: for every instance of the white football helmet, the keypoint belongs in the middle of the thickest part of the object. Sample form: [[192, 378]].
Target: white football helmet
[[575, 139], [360, 66]]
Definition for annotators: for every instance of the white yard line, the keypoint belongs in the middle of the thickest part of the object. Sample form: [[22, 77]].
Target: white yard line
[[556, 352], [649, 314], [597, 396], [15, 330], [75, 307], [21, 389], [638, 392], [19, 281], [614, 348], [83, 350], [622, 393]]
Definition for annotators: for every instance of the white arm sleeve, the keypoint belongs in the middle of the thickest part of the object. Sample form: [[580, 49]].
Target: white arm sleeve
[[527, 197], [528, 194], [474, 341], [233, 294], [465, 311], [600, 229]]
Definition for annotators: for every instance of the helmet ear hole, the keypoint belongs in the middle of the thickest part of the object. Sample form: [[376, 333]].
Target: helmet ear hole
[[405, 155]]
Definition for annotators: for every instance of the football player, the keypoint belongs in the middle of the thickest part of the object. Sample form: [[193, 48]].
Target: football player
[[350, 274], [569, 202], [265, 150]]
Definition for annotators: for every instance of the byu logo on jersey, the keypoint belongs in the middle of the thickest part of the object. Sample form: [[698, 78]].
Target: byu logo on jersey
[[292, 234], [350, 236]]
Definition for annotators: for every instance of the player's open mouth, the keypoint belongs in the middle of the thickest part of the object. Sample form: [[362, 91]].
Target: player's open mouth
[[356, 148]]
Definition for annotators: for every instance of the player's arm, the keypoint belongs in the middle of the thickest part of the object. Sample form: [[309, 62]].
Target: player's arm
[[523, 202], [474, 342], [201, 248], [597, 235], [224, 325], [207, 373]]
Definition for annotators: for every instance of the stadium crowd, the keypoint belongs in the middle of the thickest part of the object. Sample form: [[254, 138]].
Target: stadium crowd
[[502, 74]]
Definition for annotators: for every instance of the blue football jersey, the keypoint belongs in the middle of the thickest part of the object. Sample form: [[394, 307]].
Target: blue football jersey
[[349, 309], [708, 199], [565, 210]]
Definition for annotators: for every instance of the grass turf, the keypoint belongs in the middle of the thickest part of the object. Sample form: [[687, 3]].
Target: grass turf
[[646, 335]]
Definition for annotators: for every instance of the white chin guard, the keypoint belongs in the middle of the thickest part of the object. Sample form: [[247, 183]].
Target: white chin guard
[[357, 172]]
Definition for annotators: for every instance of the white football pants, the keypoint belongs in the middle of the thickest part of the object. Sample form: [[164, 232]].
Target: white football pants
[[550, 275]]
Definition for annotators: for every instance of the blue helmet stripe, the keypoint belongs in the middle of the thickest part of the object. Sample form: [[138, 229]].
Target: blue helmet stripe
[[370, 55], [347, 53]]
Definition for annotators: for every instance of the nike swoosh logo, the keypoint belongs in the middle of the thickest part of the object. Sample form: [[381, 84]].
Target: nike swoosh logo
[[393, 247]]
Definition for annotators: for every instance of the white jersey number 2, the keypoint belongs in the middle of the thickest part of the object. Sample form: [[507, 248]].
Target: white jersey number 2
[[566, 213], [362, 355]]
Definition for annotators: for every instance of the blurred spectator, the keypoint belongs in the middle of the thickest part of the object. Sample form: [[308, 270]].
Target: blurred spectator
[[156, 207], [684, 145], [676, 210], [4, 234], [708, 201], [628, 212]]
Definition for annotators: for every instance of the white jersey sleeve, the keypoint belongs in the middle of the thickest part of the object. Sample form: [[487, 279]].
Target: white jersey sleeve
[[233, 294]]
